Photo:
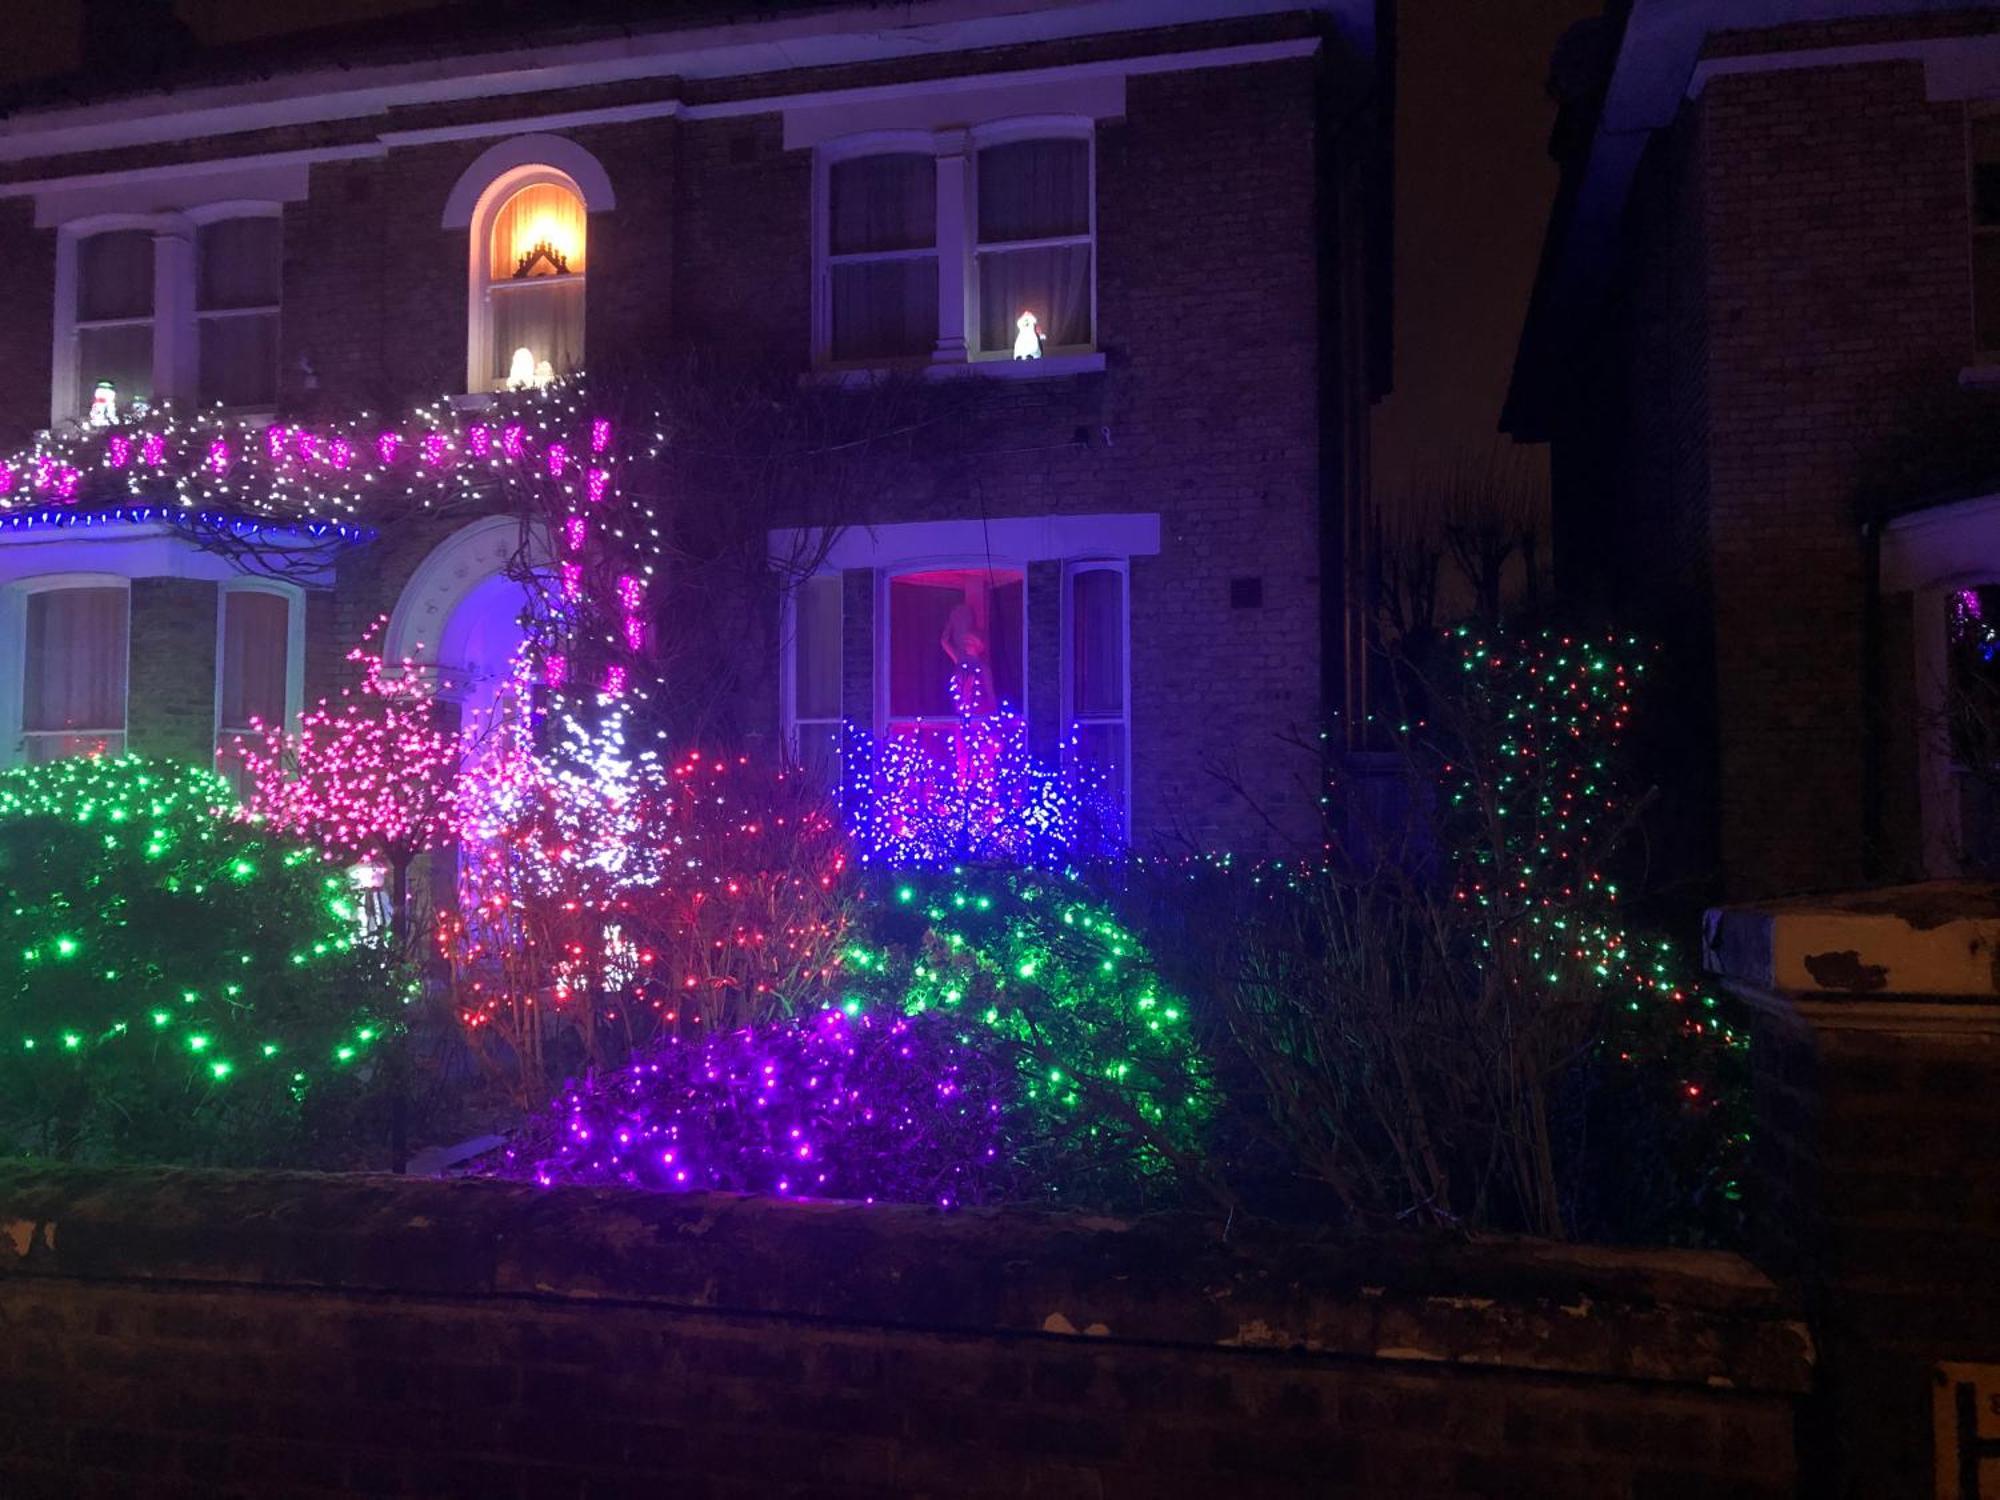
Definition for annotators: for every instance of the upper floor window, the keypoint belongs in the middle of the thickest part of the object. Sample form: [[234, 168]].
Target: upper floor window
[[1986, 232], [532, 279], [177, 306], [236, 310], [73, 672], [958, 245]]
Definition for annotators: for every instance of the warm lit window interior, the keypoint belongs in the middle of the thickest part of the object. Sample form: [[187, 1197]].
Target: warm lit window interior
[[534, 285], [951, 621], [73, 682], [1034, 248]]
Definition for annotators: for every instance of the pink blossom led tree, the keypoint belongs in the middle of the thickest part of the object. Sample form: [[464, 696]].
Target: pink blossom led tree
[[370, 776]]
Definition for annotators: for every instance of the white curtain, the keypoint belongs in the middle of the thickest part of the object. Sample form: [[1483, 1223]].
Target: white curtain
[[543, 212], [1034, 190], [73, 698], [115, 281], [884, 205], [543, 317], [255, 649]]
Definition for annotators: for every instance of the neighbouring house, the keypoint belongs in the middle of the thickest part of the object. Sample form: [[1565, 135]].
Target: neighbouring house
[[1765, 347], [1138, 250]]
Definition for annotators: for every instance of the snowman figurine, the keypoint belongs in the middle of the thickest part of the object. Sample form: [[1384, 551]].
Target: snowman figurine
[[521, 370], [1027, 342], [103, 405]]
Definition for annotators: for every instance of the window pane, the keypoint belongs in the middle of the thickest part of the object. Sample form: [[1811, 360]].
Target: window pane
[[546, 320], [882, 203], [1103, 746], [949, 620], [1986, 171], [540, 231], [1033, 190], [74, 677], [239, 360], [115, 275], [1053, 284], [885, 307], [239, 260], [123, 356], [816, 648], [255, 647], [1986, 289], [818, 752], [1097, 662]]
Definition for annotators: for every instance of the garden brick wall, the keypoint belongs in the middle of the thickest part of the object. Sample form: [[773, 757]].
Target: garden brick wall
[[289, 1336], [1794, 288], [1210, 316]]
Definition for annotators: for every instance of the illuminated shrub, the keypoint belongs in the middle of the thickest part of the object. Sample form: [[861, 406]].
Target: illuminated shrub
[[876, 1105], [178, 985]]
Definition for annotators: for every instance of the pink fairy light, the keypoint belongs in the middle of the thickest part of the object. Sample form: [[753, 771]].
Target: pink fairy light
[[599, 482], [558, 456], [153, 449], [555, 670], [575, 532], [437, 447], [478, 441], [340, 453], [386, 446], [218, 457], [572, 581], [600, 435], [118, 450], [513, 440]]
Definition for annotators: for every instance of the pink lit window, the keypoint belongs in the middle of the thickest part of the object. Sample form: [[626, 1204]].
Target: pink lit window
[[949, 621]]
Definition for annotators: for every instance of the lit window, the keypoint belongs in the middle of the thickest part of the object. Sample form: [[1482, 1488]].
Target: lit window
[[1986, 233], [1097, 689], [813, 677], [882, 258], [73, 681], [114, 318], [978, 245], [1034, 249], [954, 622], [534, 279], [236, 310]]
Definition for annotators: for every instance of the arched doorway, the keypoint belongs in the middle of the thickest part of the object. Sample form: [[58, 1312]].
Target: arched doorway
[[460, 613]]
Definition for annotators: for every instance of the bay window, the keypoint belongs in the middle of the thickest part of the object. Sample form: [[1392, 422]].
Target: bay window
[[957, 245], [812, 676], [954, 622], [236, 311], [74, 671], [1096, 675]]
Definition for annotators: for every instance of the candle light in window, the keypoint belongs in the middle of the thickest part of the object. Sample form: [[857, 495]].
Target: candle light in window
[[1028, 341]]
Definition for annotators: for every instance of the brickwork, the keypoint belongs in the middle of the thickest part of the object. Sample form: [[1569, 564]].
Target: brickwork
[[170, 693], [182, 1334], [1795, 276]]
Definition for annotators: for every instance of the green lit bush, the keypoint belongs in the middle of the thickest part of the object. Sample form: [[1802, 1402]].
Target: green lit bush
[[175, 985], [1115, 1100]]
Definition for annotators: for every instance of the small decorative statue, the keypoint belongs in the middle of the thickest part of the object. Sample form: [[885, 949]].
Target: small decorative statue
[[544, 373], [1028, 342], [103, 405], [521, 370]]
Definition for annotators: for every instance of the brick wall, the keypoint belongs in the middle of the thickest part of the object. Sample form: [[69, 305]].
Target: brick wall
[[170, 692], [182, 1334], [1795, 281]]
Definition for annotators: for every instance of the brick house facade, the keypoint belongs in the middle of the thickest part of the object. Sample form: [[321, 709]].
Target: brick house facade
[[1756, 348], [1204, 440]]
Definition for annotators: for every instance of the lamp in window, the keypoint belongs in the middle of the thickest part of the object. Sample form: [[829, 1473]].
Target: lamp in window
[[534, 284]]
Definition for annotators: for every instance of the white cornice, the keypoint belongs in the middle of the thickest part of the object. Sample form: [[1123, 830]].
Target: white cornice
[[49, 190], [928, 29]]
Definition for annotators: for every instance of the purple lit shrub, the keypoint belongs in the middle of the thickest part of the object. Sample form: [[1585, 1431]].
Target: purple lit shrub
[[872, 1106]]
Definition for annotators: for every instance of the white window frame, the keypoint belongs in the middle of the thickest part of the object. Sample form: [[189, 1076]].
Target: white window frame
[[788, 666], [1122, 566], [955, 245], [481, 284], [887, 722], [295, 646], [174, 321], [14, 652]]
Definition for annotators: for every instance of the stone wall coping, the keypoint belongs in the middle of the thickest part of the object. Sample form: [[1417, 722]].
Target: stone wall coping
[[1925, 942], [1672, 1316]]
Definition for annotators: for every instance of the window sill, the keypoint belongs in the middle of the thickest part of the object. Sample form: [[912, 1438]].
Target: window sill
[[1049, 367]]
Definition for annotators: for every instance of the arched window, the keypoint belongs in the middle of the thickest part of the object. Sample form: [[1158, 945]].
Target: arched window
[[531, 250]]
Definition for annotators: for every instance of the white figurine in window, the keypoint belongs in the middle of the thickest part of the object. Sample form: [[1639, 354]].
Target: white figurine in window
[[103, 405], [1028, 342], [521, 370]]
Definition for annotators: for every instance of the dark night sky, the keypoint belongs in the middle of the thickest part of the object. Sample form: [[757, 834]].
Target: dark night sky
[[1472, 190]]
